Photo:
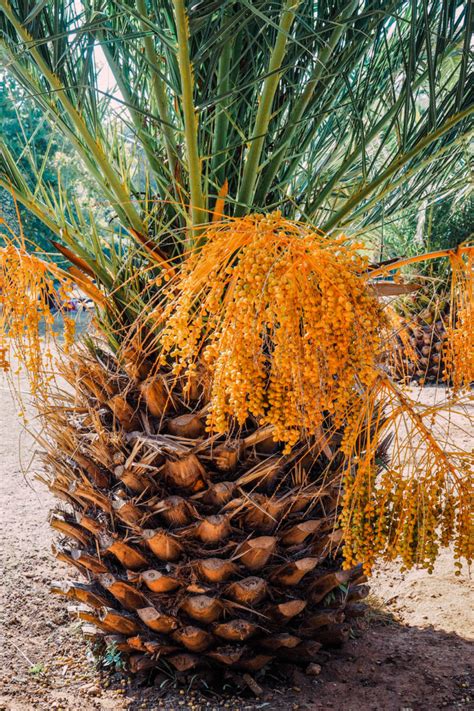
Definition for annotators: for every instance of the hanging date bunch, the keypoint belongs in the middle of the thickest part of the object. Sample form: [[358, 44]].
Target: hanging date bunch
[[459, 346], [31, 290], [282, 317]]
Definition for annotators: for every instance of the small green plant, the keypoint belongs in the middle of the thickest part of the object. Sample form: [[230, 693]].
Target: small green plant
[[113, 658], [36, 670]]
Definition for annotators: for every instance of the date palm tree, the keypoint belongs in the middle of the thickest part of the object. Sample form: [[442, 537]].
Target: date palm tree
[[206, 499]]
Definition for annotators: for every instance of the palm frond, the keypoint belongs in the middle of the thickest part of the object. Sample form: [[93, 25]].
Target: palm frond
[[340, 113]]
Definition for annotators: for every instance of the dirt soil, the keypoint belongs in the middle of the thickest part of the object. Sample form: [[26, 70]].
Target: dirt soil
[[416, 653]]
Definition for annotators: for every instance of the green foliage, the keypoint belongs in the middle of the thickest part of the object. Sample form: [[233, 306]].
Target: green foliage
[[113, 658], [345, 114], [29, 136], [27, 132], [36, 670], [42, 155], [444, 224]]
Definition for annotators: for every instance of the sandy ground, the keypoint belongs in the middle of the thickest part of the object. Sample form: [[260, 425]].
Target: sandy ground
[[415, 654]]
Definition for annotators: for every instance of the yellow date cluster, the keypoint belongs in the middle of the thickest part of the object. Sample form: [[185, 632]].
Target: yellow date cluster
[[283, 320]]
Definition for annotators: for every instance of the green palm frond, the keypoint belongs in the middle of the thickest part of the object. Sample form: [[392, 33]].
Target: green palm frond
[[339, 112]]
